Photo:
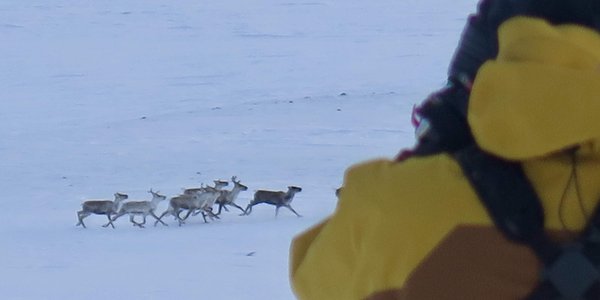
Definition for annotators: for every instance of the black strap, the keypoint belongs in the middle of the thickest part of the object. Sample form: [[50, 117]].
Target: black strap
[[505, 191]]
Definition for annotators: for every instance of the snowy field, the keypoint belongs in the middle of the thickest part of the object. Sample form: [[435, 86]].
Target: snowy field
[[104, 96]]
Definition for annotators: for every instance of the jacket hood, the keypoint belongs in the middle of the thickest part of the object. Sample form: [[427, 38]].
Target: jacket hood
[[542, 92]]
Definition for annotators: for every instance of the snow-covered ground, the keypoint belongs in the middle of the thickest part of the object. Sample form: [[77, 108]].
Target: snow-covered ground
[[104, 96]]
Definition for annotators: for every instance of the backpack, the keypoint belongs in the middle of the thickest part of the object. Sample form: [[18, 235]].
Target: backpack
[[569, 270]]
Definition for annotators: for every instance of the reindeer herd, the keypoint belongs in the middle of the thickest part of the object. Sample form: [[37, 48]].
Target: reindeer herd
[[192, 201]]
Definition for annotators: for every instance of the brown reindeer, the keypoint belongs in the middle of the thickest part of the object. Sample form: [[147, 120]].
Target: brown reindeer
[[278, 199]]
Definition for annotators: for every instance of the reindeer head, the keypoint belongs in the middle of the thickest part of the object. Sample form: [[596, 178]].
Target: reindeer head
[[220, 183], [294, 189], [157, 195], [238, 185], [121, 196]]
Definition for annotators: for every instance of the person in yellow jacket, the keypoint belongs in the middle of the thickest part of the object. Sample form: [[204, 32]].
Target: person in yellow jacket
[[416, 229]]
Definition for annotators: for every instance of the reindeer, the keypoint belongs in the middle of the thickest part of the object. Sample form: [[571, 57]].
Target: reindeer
[[203, 203], [201, 200], [228, 197], [219, 185], [176, 205], [143, 208], [100, 207], [278, 199]]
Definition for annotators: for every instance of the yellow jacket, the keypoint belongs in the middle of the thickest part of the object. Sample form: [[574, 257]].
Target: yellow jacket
[[416, 229]]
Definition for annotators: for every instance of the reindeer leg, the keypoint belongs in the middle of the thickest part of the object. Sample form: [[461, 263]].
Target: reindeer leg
[[109, 222], [143, 221], [208, 212], [290, 207], [134, 222], [212, 215], [187, 215], [277, 211], [221, 205], [81, 215], [179, 219], [113, 219], [175, 214], [79, 219], [248, 210], [238, 207], [158, 219], [178, 215]]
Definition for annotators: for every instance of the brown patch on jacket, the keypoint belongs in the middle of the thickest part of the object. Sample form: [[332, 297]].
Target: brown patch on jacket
[[472, 262]]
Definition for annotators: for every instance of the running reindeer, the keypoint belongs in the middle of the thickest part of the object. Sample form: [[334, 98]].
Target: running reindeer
[[100, 207], [278, 199], [201, 200], [219, 185], [143, 208], [227, 198]]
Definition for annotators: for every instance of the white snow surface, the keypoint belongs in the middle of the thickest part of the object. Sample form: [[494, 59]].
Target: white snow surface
[[104, 96]]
